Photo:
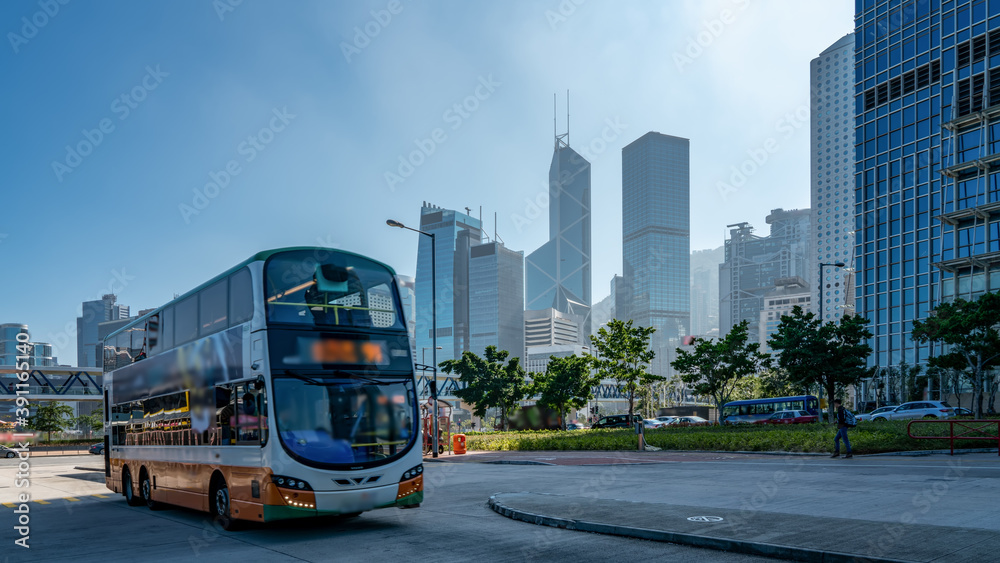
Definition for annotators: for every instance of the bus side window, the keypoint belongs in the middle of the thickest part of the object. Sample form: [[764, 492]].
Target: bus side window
[[224, 408], [247, 415]]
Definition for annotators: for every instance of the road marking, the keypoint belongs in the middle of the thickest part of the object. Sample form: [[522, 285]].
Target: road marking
[[100, 496], [72, 499], [9, 504], [43, 502], [705, 518]]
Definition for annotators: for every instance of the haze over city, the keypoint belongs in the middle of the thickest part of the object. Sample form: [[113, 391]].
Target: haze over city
[[309, 115]]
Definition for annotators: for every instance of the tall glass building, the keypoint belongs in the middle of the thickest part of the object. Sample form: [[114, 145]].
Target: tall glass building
[[38, 353], [831, 76], [454, 234], [656, 240], [88, 343], [557, 274], [496, 299], [927, 110]]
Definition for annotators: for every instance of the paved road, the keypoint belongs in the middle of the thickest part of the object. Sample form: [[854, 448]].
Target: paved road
[[455, 524]]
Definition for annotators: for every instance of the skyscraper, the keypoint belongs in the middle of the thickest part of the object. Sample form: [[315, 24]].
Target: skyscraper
[[656, 240], [454, 234], [557, 274], [93, 313], [38, 353], [496, 299], [754, 264], [926, 185], [832, 166], [705, 291]]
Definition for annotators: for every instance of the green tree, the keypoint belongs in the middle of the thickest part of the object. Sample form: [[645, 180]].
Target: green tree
[[715, 368], [93, 422], [488, 382], [968, 330], [568, 383], [51, 417], [624, 354], [832, 355]]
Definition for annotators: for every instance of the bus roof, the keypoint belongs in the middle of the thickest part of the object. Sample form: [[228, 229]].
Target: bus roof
[[769, 400], [259, 257]]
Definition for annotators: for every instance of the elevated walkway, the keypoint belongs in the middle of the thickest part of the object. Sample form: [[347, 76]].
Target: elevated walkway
[[53, 383]]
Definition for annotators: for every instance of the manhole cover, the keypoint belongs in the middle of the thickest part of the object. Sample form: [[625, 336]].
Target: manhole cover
[[705, 518]]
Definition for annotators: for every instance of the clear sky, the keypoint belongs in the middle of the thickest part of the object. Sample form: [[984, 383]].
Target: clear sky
[[148, 146]]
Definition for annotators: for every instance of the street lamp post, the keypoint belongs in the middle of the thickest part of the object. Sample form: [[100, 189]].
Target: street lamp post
[[820, 295], [434, 398]]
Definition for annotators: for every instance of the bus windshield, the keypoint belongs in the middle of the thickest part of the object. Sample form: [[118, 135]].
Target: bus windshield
[[308, 287], [344, 421]]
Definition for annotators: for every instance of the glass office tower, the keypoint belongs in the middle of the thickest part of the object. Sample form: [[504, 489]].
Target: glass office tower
[[454, 234], [557, 274], [496, 299], [656, 240], [928, 137]]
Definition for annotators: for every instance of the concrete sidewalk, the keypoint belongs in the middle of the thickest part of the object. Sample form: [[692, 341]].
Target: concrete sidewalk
[[774, 534]]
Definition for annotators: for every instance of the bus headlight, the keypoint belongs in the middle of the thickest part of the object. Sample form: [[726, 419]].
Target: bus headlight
[[290, 483], [413, 472]]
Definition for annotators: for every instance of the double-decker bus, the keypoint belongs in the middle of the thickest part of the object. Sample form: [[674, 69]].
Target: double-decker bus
[[757, 410], [282, 388]]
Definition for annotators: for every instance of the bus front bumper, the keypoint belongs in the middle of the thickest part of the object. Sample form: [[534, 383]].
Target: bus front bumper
[[330, 503]]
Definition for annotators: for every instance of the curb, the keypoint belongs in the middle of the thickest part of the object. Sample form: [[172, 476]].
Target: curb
[[98, 469], [515, 462], [694, 540]]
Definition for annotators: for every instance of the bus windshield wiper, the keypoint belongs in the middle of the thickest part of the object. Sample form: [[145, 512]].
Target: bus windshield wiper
[[339, 372]]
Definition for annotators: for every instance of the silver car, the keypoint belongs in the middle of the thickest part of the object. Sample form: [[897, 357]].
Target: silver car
[[918, 409], [876, 412]]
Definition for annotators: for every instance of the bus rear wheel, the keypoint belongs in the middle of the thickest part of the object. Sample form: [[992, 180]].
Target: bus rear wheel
[[146, 491], [127, 489], [221, 506]]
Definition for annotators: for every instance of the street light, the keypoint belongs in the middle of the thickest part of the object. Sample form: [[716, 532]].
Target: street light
[[434, 332], [423, 353], [821, 265]]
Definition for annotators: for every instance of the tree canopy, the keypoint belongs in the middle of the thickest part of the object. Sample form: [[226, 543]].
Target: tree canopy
[[968, 331], [624, 354], [714, 368], [489, 382], [567, 384], [51, 417], [832, 355]]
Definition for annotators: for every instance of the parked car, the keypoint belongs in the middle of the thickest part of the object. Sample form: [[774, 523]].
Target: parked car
[[666, 419], [962, 411], [616, 421], [575, 426], [690, 421], [917, 409], [7, 452], [791, 417], [97, 449], [876, 412], [653, 423]]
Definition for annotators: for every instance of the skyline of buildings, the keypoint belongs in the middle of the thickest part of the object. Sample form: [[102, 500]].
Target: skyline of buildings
[[38, 353], [88, 339]]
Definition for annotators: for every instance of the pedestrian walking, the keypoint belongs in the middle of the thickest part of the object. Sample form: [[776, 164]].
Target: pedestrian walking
[[843, 423]]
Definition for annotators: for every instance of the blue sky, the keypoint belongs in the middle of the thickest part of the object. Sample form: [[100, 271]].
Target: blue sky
[[121, 118]]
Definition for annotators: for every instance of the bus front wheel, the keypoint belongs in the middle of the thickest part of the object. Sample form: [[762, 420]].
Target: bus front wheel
[[221, 506], [127, 489]]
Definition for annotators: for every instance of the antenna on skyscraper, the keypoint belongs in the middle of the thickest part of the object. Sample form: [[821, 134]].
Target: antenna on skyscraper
[[561, 140], [567, 117]]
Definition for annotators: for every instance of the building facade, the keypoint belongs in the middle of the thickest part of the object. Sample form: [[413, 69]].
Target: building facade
[[927, 188], [656, 240], [38, 353], [753, 263], [831, 76], [787, 294], [496, 299], [705, 291], [88, 343], [551, 328], [558, 274], [454, 234]]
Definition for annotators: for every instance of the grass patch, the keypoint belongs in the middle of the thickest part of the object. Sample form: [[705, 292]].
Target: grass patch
[[867, 438]]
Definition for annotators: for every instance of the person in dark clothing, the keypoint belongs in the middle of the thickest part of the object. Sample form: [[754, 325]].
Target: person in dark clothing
[[841, 431]]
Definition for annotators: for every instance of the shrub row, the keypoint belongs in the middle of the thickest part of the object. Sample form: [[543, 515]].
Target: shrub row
[[867, 438]]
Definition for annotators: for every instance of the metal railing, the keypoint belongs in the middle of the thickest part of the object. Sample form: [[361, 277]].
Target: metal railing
[[968, 430]]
